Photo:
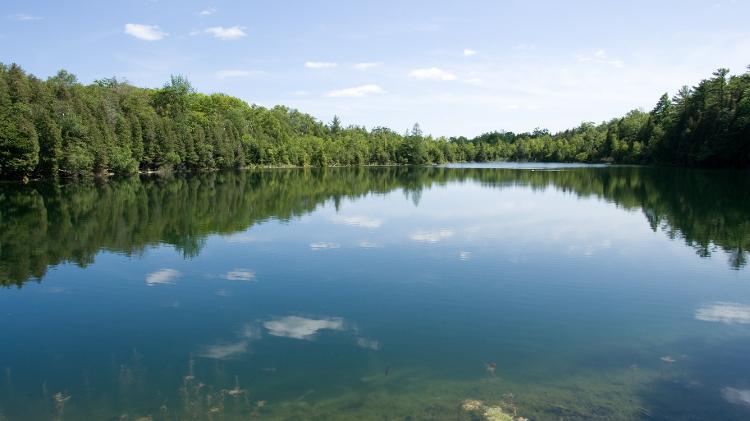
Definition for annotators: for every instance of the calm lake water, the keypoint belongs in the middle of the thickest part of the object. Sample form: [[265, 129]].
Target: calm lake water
[[378, 293]]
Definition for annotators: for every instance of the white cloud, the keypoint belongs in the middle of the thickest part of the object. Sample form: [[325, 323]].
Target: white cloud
[[469, 52], [432, 236], [207, 12], [225, 351], [356, 92], [240, 275], [235, 73], [301, 327], [24, 17], [320, 65], [365, 66], [145, 32], [723, 312], [358, 221], [321, 245], [474, 81], [162, 277], [230, 33], [432, 73], [600, 57], [736, 396]]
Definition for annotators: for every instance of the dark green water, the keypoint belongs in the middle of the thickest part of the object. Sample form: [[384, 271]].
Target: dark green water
[[378, 293]]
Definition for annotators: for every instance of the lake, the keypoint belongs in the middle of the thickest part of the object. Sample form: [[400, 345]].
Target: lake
[[545, 291]]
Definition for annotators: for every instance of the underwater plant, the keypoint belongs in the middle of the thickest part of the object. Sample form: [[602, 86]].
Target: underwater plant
[[491, 367]]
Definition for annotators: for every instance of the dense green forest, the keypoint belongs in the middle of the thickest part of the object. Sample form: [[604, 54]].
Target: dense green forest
[[61, 127], [43, 224]]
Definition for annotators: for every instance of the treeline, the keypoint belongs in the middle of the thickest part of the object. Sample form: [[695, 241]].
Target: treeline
[[46, 223], [707, 125], [61, 127]]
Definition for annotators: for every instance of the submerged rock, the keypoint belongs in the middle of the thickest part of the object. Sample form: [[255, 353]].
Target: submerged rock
[[471, 405], [487, 412], [496, 413]]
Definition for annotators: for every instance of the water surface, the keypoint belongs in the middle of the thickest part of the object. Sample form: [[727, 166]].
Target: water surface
[[598, 292]]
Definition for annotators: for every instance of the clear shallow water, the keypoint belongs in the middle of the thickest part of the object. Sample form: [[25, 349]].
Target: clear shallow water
[[379, 293]]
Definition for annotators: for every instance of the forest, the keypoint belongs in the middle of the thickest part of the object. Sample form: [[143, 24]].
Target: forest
[[61, 128]]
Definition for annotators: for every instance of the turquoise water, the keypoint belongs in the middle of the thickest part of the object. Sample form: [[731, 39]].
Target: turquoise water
[[595, 292]]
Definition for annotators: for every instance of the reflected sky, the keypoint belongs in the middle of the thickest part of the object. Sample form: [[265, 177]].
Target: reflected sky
[[422, 287]]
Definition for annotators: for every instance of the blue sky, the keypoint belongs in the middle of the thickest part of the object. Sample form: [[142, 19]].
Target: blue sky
[[458, 67]]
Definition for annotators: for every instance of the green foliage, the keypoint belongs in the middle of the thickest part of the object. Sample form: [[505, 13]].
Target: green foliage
[[61, 127]]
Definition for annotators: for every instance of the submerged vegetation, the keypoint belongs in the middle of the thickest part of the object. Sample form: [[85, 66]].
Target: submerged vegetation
[[44, 224], [62, 127], [125, 391]]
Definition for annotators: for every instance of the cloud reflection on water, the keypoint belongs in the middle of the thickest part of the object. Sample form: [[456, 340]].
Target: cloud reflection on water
[[162, 277], [358, 221], [736, 396], [724, 312], [240, 275], [296, 327], [432, 236], [224, 351], [233, 349], [368, 343], [322, 245]]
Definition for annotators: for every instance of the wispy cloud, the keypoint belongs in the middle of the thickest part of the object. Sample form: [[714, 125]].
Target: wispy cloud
[[358, 221], [24, 17], [320, 64], [432, 73], [427, 27], [356, 92], [474, 81], [237, 73], [162, 276], [432, 236], [226, 34], [723, 312], [207, 12], [301, 327], [365, 66], [600, 57], [145, 32], [469, 52]]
